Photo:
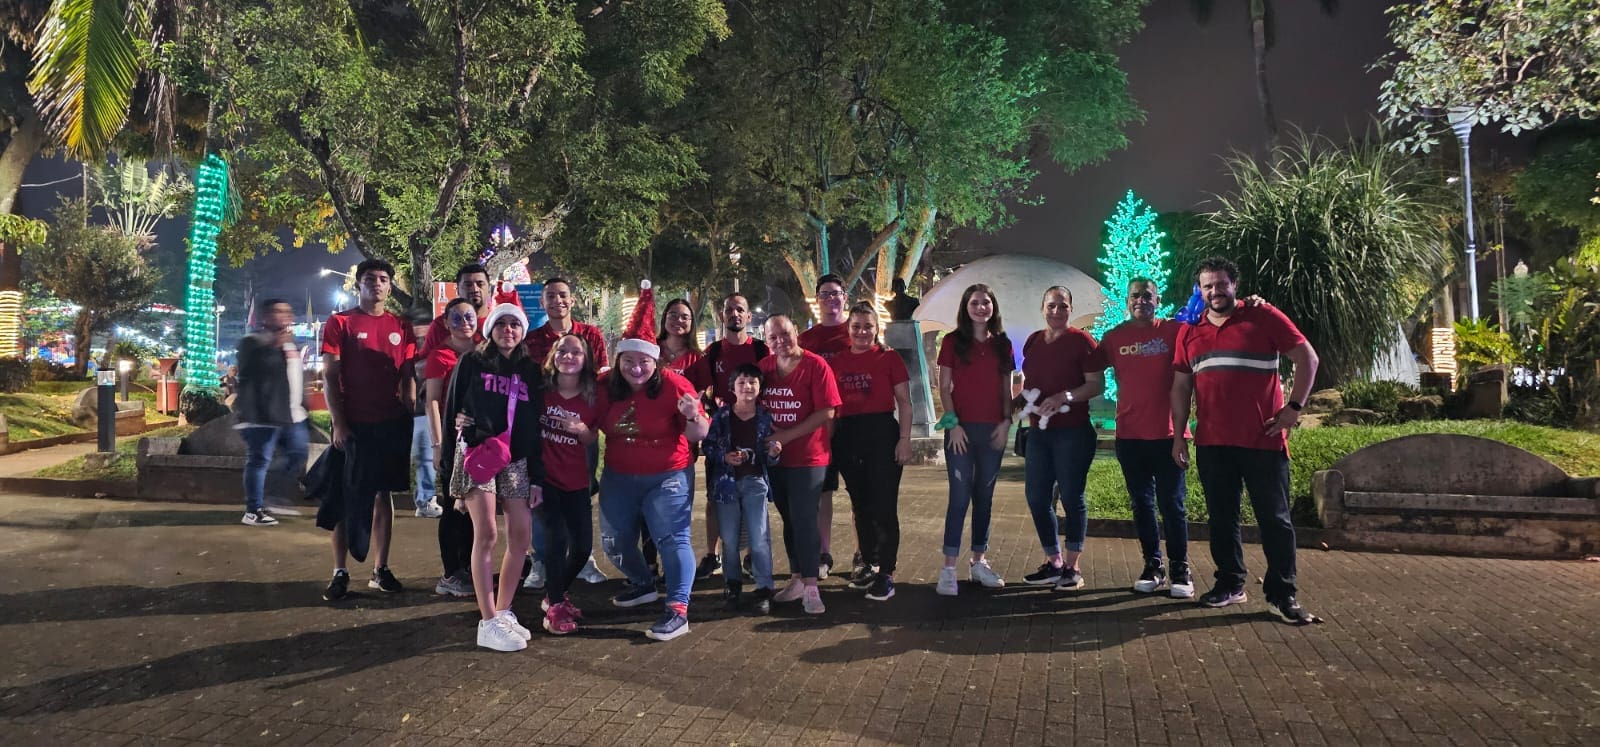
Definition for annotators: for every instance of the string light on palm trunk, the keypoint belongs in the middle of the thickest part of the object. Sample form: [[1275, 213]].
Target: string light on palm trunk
[[199, 328], [10, 324]]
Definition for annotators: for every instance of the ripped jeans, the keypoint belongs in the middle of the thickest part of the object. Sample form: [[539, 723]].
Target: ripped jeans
[[660, 503]]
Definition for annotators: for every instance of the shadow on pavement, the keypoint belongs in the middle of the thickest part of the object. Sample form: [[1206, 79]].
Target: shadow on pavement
[[204, 598], [322, 655]]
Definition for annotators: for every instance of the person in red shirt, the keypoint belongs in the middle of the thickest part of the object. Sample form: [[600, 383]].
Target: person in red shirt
[[830, 337], [713, 372], [558, 299], [368, 353], [650, 417], [571, 414], [1063, 363], [975, 364], [802, 396], [472, 286], [1139, 351], [871, 443], [679, 353], [1228, 362], [439, 362]]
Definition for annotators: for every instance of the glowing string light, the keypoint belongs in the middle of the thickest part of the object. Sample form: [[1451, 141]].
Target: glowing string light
[[199, 326], [1132, 249], [10, 324]]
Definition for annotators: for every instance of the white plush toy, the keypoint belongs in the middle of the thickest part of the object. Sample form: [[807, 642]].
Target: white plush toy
[[1031, 397]]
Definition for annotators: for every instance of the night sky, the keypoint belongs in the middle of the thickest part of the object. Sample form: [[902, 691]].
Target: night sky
[[1194, 82]]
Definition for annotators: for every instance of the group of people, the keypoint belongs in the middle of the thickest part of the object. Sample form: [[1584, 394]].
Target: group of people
[[511, 418]]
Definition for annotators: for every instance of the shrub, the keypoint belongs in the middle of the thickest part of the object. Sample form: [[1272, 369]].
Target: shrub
[[1537, 406], [15, 375], [1379, 396], [1479, 344], [201, 406], [44, 370]]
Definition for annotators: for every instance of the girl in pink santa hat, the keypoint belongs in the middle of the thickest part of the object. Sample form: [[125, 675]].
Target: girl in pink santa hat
[[650, 417]]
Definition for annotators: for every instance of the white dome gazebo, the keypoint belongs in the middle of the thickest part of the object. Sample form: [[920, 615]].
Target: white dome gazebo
[[1019, 282]]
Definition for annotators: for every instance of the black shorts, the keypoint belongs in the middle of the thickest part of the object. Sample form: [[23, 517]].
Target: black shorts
[[379, 456]]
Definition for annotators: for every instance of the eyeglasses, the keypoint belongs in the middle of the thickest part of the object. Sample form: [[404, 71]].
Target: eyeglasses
[[831, 294], [462, 320]]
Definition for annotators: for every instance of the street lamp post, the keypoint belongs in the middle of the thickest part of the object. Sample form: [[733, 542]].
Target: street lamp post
[[1461, 121], [733, 255], [217, 340], [124, 366]]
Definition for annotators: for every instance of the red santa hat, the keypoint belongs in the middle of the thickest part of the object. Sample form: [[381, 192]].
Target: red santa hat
[[506, 292], [640, 334]]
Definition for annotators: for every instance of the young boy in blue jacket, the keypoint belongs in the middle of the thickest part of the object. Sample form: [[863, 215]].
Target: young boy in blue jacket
[[739, 448]]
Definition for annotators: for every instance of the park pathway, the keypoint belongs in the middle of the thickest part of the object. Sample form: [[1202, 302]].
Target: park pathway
[[133, 622], [24, 463]]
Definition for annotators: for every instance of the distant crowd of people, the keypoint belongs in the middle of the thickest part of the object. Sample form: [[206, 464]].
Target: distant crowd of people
[[495, 417]]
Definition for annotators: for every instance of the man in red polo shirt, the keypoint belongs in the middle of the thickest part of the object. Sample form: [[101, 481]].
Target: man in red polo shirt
[[558, 302], [1228, 363], [830, 337]]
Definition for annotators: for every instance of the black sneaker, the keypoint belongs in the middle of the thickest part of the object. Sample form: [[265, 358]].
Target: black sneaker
[[761, 602], [862, 578], [1151, 580], [338, 587], [1046, 575], [1070, 580], [708, 565], [633, 596], [882, 587], [1290, 611], [670, 626], [383, 580], [1222, 597], [730, 595], [825, 565], [258, 519]]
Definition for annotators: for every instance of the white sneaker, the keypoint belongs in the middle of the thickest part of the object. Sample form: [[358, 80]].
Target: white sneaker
[[430, 510], [495, 636], [509, 619], [794, 590], [947, 582], [535, 579], [591, 573], [258, 519], [811, 600], [983, 574]]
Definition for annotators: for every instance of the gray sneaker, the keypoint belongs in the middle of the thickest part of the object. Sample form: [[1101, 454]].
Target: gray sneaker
[[453, 586], [591, 573], [535, 579]]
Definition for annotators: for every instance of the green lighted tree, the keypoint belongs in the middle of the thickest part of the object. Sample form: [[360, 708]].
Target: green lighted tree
[[1132, 250]]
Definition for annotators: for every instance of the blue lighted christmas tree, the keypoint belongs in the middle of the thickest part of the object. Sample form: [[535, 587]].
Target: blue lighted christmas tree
[[1133, 249]]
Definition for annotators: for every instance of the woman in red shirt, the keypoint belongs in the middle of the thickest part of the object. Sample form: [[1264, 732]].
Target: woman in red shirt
[[571, 412], [870, 444], [455, 525], [802, 396], [1065, 365], [975, 365], [650, 417]]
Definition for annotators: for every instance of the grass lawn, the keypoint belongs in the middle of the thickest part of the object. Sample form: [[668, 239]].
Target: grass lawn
[[123, 469], [1314, 449], [30, 415]]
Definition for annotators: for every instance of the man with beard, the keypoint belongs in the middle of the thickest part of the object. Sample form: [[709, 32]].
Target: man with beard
[[714, 371], [472, 283], [1228, 363]]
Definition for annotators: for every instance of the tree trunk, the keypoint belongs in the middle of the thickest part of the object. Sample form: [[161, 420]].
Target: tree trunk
[[919, 244], [82, 343], [26, 139], [1258, 37]]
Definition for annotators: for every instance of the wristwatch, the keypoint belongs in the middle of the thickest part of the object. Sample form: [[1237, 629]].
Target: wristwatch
[[1293, 405]]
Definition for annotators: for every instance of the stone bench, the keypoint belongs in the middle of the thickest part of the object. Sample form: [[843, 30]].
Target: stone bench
[[1457, 494]]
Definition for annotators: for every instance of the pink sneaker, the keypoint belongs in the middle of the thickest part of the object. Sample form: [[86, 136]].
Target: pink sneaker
[[572, 609], [558, 622]]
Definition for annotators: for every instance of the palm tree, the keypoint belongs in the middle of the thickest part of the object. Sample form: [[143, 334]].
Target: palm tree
[[1262, 39], [85, 66]]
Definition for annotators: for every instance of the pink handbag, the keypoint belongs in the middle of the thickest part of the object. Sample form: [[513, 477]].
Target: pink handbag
[[487, 459]]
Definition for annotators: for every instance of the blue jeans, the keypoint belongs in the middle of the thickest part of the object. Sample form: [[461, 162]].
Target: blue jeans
[[972, 477], [662, 503], [1154, 480], [422, 454], [749, 513], [1059, 457], [260, 441]]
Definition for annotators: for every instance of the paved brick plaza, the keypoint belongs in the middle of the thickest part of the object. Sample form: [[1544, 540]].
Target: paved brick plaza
[[128, 622]]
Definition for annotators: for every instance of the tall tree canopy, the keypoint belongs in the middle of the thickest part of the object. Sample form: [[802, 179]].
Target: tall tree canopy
[[1523, 64], [410, 124]]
